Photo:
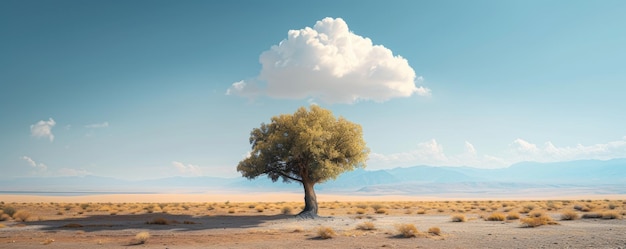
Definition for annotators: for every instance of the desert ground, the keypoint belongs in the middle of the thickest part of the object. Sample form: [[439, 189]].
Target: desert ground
[[267, 221]]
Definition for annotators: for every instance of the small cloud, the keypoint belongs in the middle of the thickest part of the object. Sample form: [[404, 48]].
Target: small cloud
[[43, 129], [331, 63], [100, 125], [73, 172], [35, 165], [187, 169]]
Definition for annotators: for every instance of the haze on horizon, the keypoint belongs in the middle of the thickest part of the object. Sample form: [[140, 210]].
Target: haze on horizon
[[150, 89]]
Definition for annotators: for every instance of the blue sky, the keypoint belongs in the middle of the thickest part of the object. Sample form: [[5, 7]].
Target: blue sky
[[138, 89]]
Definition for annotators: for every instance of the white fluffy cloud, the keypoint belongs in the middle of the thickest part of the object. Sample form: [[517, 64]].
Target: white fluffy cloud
[[330, 63], [43, 129], [432, 153], [527, 151], [35, 165], [98, 125], [187, 169]]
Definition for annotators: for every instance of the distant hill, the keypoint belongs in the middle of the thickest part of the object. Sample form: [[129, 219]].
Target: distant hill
[[583, 177]]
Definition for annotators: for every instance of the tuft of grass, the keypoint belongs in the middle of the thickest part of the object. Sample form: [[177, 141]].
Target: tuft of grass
[[496, 217], [360, 211], [592, 216], [10, 211], [569, 215], [366, 226], [458, 218], [512, 215], [407, 230], [382, 211], [260, 208], [434, 231], [537, 219], [142, 237], [326, 233], [611, 215], [287, 210], [231, 211], [421, 211], [21, 215], [159, 221], [4, 217]]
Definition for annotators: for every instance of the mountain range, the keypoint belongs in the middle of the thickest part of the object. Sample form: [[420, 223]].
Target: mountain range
[[583, 177]]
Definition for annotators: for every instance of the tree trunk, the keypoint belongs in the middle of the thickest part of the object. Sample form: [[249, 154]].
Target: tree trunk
[[310, 202]]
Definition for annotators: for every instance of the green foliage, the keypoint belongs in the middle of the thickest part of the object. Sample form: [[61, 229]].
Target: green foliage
[[309, 146]]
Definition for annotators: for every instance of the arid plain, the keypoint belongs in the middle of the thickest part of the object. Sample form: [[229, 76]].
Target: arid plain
[[151, 221]]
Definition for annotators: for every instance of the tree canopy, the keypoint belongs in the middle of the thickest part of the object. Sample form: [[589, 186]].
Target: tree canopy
[[309, 147]]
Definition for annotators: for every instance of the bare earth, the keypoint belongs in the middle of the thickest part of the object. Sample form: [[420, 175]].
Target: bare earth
[[66, 224]]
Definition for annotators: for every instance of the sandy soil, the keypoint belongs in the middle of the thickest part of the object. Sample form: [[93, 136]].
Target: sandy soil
[[241, 225]]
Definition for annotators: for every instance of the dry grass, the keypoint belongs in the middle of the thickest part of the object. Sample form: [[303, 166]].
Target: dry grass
[[159, 221], [407, 230], [536, 219], [21, 215], [326, 233], [287, 210], [434, 231], [142, 237], [512, 215], [366, 226], [569, 215], [458, 218], [611, 215], [496, 217]]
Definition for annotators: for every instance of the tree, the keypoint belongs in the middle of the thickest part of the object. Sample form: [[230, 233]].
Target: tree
[[308, 147]]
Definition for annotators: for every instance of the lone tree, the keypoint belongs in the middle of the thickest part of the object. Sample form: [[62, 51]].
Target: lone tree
[[308, 147]]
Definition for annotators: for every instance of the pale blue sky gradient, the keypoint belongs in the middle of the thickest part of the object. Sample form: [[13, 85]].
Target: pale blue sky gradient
[[508, 79]]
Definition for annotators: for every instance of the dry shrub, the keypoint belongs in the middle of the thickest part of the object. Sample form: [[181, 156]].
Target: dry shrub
[[10, 211], [286, 210], [421, 211], [496, 217], [2, 225], [434, 231], [159, 221], [537, 219], [260, 209], [231, 211], [142, 237], [47, 241], [377, 206], [592, 216], [326, 233], [366, 226], [458, 218], [360, 211], [381, 211], [512, 216], [611, 215], [21, 215], [407, 230], [4, 217], [569, 215]]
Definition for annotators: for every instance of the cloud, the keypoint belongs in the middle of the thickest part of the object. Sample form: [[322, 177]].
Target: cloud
[[432, 153], [330, 63], [187, 169], [100, 125], [527, 151], [73, 172], [43, 129], [35, 165]]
